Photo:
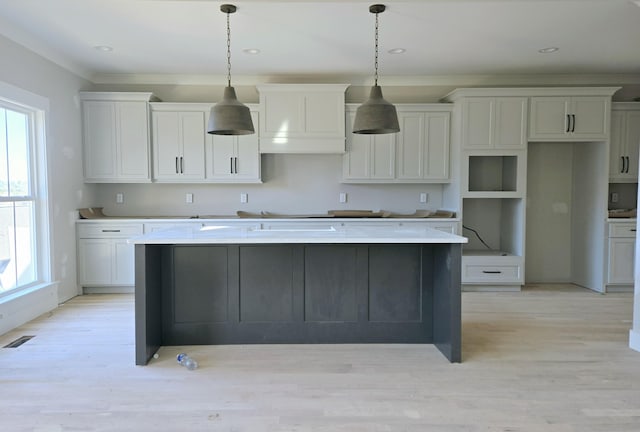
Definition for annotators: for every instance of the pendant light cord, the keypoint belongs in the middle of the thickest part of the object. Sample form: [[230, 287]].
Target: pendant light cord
[[228, 52], [376, 56]]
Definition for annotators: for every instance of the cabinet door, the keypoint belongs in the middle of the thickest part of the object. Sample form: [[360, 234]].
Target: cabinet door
[[99, 139], [123, 263], [410, 155], [632, 144], [617, 161], [166, 145], [494, 123], [590, 117], [192, 137], [477, 123], [178, 144], [221, 151], [132, 157], [247, 165], [94, 261], [621, 261], [510, 128], [368, 157], [423, 146], [548, 118], [232, 159]]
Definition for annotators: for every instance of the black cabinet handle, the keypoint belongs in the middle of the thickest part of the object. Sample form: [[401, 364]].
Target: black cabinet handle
[[491, 271], [632, 230], [622, 169], [230, 165], [235, 165], [627, 171], [568, 125], [111, 230], [177, 165], [181, 165], [573, 123]]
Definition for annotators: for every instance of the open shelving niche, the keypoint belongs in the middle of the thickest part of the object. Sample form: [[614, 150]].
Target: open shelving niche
[[494, 207]]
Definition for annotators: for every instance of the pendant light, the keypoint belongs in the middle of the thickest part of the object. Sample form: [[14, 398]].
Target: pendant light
[[376, 115], [229, 117]]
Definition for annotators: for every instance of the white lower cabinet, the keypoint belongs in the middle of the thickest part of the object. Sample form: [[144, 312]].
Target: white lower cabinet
[[621, 254], [105, 259], [492, 269]]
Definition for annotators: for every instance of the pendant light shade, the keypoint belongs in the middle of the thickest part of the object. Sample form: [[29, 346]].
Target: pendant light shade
[[376, 115], [230, 116]]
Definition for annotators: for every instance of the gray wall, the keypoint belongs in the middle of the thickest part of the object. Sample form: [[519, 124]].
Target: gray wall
[[67, 192]]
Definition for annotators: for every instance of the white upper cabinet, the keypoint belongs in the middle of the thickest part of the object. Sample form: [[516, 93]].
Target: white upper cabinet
[[178, 142], [234, 158], [419, 153], [369, 158], [624, 143], [115, 132], [494, 123], [422, 152], [302, 118], [577, 118]]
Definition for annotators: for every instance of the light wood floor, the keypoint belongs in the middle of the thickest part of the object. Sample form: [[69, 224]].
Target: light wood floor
[[550, 358]]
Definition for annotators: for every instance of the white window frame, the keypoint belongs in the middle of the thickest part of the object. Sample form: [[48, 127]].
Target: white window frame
[[14, 98]]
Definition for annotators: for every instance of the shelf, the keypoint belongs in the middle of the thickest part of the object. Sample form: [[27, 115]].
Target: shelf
[[498, 221], [493, 173]]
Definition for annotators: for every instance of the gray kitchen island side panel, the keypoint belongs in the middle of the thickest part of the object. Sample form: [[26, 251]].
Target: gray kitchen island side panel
[[307, 293], [148, 313], [447, 307]]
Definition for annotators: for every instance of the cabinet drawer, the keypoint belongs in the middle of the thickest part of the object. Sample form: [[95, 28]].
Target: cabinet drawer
[[109, 230], [473, 273], [622, 229]]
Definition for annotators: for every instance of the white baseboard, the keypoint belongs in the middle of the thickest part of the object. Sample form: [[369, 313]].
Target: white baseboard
[[491, 288], [23, 306], [634, 340], [619, 288]]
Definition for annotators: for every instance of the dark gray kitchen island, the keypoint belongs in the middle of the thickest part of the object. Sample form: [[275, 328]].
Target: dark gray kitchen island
[[226, 285]]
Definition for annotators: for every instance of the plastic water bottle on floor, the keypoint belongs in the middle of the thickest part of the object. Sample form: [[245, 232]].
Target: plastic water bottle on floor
[[187, 361]]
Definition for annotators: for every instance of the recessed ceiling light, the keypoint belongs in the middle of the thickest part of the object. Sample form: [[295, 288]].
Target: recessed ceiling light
[[251, 51], [397, 51], [548, 50], [103, 48]]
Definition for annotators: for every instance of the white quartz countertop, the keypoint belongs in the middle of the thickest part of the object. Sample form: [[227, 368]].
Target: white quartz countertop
[[222, 234]]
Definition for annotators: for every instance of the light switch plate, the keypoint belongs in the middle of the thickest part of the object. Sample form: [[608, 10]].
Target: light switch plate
[[119, 198], [188, 198], [244, 198], [343, 197], [424, 197]]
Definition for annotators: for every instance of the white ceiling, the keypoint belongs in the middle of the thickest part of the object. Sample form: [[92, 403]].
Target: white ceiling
[[179, 38]]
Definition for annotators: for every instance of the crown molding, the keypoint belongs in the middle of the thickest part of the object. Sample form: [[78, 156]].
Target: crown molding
[[433, 80]]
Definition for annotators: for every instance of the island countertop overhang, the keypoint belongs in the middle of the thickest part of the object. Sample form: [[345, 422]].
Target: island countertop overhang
[[223, 234]]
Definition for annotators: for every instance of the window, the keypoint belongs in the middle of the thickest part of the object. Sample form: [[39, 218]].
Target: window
[[18, 198]]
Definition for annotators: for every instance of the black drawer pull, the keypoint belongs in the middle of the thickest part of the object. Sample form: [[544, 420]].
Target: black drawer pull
[[110, 230], [632, 230], [491, 271]]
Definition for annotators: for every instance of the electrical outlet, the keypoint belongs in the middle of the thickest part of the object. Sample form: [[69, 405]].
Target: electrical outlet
[[188, 198], [244, 198], [119, 198], [343, 197], [614, 197], [424, 197]]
